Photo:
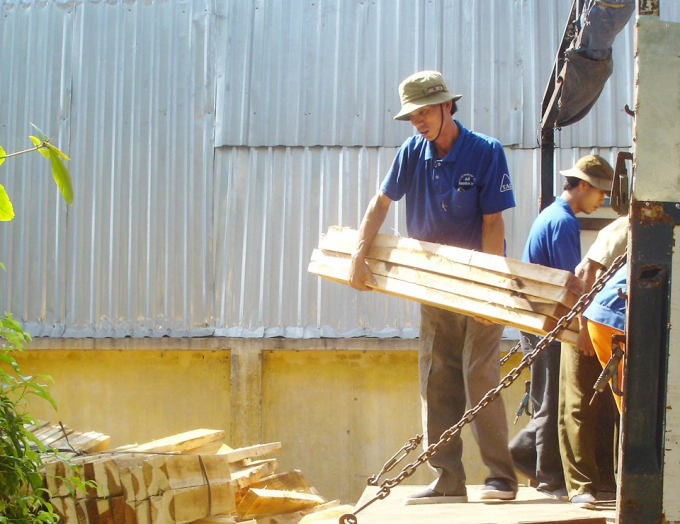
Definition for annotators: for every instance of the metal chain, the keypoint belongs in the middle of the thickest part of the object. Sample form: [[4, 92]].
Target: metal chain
[[446, 437], [510, 353]]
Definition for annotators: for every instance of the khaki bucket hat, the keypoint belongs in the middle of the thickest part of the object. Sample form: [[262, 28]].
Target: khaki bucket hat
[[593, 169], [422, 89]]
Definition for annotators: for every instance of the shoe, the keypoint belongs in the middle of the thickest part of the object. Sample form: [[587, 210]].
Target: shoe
[[556, 494], [430, 496], [584, 500], [498, 489]]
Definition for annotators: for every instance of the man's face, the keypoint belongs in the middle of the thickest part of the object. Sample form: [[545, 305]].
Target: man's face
[[427, 120], [591, 197]]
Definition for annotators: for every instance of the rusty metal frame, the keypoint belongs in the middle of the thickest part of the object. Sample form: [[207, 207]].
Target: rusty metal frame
[[640, 497]]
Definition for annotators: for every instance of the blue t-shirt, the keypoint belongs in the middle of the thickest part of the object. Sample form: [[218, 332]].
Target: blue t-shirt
[[554, 239], [608, 307], [446, 198]]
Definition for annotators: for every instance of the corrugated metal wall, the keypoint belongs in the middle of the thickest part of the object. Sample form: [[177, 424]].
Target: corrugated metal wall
[[211, 144]]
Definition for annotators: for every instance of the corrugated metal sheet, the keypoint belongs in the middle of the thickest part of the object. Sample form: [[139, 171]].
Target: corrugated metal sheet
[[129, 91], [171, 235], [294, 73]]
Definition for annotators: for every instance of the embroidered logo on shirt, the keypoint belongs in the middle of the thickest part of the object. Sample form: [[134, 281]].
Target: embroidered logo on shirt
[[466, 181], [506, 185]]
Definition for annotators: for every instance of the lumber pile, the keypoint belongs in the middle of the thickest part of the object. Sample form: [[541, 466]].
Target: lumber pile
[[529, 297], [188, 477]]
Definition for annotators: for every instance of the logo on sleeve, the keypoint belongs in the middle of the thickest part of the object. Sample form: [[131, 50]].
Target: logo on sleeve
[[466, 181], [506, 185]]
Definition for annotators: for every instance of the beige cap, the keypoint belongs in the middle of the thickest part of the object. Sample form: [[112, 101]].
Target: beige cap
[[593, 169], [422, 89]]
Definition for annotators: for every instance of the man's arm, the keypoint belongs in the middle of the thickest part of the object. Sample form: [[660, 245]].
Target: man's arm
[[493, 234], [359, 274]]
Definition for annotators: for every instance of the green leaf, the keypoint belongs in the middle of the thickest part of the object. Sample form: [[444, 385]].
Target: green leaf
[[37, 142], [61, 176], [6, 209], [2, 155], [52, 148], [43, 137]]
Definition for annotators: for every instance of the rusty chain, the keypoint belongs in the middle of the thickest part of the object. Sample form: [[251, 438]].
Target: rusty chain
[[446, 437]]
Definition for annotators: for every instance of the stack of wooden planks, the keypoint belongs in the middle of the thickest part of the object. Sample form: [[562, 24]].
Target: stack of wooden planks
[[189, 477], [529, 297]]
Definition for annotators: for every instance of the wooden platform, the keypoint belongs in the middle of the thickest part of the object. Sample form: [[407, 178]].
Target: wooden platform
[[530, 507]]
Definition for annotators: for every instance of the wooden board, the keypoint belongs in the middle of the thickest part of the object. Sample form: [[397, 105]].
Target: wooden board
[[450, 284], [258, 450], [189, 504], [522, 320], [533, 279], [183, 442], [265, 502]]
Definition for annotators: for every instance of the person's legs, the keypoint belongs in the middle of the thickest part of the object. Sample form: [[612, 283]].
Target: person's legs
[[481, 373], [549, 472], [523, 445], [577, 420], [442, 392]]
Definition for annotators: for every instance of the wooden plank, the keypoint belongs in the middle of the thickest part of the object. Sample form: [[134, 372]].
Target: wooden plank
[[143, 511], [292, 480], [69, 510], [523, 320], [207, 449], [91, 442], [326, 509], [450, 284], [244, 477], [183, 441], [107, 477], [183, 471], [197, 502], [532, 279], [327, 513], [265, 502], [155, 475], [257, 450]]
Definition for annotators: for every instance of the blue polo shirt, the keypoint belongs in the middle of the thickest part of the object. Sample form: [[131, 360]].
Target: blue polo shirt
[[555, 238], [446, 198], [608, 307]]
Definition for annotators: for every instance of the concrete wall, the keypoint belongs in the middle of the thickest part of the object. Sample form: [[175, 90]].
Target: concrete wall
[[340, 407]]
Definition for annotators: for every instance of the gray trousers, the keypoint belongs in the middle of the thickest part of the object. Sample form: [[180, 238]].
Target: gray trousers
[[458, 363], [536, 449]]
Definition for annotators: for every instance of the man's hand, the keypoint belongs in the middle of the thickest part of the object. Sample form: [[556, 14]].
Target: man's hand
[[587, 271], [360, 275], [584, 344]]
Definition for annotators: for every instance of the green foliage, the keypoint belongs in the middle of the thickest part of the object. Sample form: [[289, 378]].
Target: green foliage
[[59, 172], [22, 497]]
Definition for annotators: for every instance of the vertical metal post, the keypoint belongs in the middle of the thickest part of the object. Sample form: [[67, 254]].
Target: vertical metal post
[[640, 491]]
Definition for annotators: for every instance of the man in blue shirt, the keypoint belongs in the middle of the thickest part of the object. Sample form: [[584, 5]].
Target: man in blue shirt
[[456, 186], [555, 241]]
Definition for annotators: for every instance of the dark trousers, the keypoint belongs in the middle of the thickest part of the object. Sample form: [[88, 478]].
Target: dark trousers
[[535, 449]]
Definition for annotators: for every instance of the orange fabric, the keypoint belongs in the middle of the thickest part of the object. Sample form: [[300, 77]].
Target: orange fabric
[[601, 336]]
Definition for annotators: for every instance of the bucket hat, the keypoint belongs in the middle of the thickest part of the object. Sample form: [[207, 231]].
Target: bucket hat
[[593, 169], [421, 89]]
